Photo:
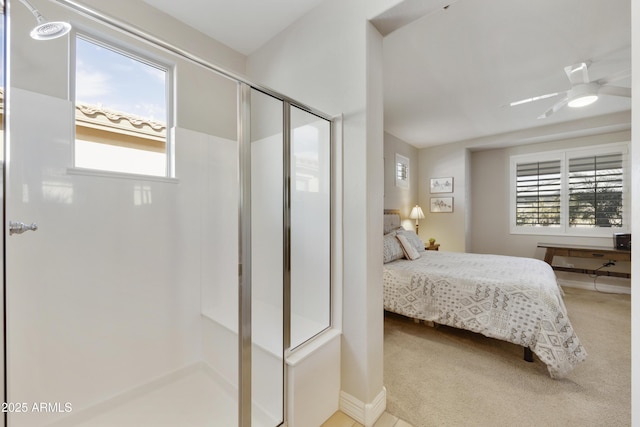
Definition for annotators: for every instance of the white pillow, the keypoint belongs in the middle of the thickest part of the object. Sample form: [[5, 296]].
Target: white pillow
[[392, 248], [407, 247], [413, 238]]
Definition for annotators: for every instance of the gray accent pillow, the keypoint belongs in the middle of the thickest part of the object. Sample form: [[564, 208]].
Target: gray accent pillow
[[413, 238], [392, 249]]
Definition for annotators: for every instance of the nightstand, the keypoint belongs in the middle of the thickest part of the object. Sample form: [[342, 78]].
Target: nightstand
[[433, 247]]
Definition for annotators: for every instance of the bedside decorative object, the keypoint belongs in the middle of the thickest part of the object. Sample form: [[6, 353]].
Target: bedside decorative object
[[433, 246], [417, 214]]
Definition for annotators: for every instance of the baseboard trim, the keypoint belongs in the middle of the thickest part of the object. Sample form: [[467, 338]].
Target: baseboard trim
[[364, 413], [604, 287]]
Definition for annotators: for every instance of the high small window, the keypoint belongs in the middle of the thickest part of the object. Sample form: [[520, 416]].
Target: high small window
[[121, 110], [575, 192], [402, 171]]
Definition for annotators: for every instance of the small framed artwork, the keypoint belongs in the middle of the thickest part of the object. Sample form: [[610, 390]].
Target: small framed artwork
[[442, 204], [441, 185]]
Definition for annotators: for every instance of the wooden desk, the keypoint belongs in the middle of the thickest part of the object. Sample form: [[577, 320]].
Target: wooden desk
[[592, 252]]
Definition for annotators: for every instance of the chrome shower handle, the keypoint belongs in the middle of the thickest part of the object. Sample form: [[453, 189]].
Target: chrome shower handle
[[21, 227]]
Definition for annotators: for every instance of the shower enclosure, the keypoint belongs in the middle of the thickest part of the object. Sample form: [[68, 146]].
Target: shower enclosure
[[159, 300]]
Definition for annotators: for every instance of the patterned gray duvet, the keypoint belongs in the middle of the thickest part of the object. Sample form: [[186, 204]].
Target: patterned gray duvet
[[509, 298]]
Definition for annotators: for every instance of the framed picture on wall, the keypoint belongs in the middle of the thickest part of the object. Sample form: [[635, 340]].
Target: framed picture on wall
[[441, 185], [441, 204]]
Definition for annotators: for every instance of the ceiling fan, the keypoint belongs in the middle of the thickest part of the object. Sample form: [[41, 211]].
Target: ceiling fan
[[583, 92]]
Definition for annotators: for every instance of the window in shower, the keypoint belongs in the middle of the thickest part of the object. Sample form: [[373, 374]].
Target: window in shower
[[121, 110]]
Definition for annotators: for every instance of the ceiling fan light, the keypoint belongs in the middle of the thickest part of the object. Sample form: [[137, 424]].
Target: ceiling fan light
[[582, 101], [582, 95]]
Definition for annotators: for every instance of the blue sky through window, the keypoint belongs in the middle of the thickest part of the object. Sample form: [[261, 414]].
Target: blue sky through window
[[119, 82]]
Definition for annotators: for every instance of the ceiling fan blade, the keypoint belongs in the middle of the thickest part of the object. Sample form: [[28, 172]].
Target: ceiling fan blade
[[534, 98], [614, 77], [555, 108], [577, 73], [615, 91]]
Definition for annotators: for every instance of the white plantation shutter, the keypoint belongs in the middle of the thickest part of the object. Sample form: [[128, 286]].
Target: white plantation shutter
[[595, 191], [538, 191]]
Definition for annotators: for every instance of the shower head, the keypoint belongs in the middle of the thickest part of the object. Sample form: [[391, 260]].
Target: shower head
[[46, 30], [50, 30]]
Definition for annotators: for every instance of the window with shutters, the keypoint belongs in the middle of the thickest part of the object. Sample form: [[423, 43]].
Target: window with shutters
[[573, 192]]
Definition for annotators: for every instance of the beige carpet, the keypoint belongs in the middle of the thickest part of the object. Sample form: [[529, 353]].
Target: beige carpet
[[449, 377]]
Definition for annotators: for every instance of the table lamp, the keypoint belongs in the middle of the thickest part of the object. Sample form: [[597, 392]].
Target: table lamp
[[417, 214]]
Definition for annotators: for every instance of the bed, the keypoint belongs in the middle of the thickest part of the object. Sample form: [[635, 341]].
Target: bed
[[510, 298]]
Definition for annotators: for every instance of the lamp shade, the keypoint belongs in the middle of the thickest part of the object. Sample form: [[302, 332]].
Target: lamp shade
[[416, 213]]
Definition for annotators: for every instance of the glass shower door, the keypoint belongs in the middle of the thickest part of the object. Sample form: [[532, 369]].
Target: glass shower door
[[122, 304]]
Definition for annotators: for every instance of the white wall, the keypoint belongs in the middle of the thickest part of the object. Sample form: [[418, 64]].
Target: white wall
[[449, 229]]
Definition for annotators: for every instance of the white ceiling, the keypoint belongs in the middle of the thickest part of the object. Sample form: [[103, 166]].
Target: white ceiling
[[450, 75], [243, 25]]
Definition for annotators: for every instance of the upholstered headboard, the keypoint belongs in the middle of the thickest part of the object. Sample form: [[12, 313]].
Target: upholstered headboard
[[391, 220]]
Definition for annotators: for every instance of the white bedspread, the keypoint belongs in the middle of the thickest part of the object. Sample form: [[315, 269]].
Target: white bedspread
[[509, 298]]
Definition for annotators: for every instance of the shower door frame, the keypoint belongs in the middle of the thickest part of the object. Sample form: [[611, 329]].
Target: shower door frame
[[244, 234], [244, 206]]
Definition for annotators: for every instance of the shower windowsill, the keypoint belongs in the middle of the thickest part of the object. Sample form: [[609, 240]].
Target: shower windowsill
[[121, 175], [262, 337], [267, 325], [305, 350]]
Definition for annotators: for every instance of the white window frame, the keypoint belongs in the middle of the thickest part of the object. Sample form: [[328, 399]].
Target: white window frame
[[138, 54], [402, 162], [564, 156]]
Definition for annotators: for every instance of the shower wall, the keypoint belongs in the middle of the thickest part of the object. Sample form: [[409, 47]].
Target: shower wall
[[105, 296]]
